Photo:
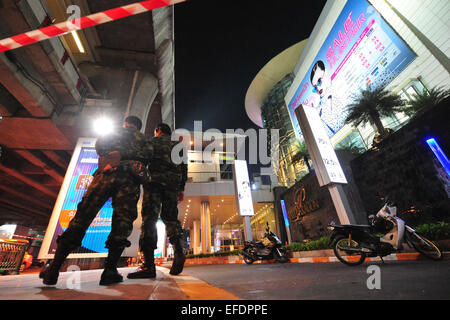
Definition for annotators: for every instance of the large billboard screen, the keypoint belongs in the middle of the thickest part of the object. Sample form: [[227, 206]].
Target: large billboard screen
[[360, 50], [78, 177]]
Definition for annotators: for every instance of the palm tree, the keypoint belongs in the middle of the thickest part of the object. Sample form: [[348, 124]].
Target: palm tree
[[422, 101], [371, 104], [353, 147], [301, 154]]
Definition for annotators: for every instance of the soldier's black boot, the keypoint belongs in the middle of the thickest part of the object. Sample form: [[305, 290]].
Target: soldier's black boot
[[147, 270], [50, 272], [179, 257], [110, 274]]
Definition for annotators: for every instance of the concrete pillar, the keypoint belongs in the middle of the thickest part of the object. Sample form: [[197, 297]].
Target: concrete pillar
[[143, 98], [196, 237], [206, 227], [247, 229]]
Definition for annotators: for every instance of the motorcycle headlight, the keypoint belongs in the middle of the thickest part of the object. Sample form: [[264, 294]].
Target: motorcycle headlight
[[331, 228]]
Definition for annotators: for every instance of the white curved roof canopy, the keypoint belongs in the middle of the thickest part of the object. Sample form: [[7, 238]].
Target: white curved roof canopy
[[275, 70]]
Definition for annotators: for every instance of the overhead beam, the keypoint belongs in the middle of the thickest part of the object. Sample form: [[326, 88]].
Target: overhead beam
[[19, 17], [25, 179], [25, 197], [128, 59], [15, 82], [25, 208], [4, 112], [32, 134], [52, 155], [38, 162], [8, 213]]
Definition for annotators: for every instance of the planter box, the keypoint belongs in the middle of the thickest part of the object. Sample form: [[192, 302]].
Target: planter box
[[444, 245], [215, 260], [312, 253]]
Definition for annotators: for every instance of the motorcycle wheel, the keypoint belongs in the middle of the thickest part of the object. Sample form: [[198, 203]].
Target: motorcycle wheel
[[247, 259], [281, 255], [424, 246], [346, 257]]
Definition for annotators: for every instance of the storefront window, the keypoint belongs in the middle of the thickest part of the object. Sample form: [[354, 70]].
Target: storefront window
[[412, 88], [265, 214], [227, 237]]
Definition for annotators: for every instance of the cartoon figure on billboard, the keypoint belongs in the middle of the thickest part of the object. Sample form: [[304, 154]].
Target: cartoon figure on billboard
[[329, 104]]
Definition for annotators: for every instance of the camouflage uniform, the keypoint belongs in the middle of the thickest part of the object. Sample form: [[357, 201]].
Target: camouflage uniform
[[119, 184], [167, 181]]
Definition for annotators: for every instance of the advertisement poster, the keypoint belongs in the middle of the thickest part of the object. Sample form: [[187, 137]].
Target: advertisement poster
[[328, 168], [78, 177], [361, 50], [243, 190]]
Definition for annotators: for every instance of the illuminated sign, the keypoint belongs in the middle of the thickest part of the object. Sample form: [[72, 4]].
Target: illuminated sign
[[7, 231], [361, 50], [285, 215], [321, 150], [301, 207], [242, 188], [440, 155], [78, 177], [161, 231]]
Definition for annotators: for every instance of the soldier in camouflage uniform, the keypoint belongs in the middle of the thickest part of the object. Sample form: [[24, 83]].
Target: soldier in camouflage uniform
[[162, 194], [114, 178]]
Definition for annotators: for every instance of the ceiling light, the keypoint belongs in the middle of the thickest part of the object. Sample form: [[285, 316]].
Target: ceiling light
[[78, 42]]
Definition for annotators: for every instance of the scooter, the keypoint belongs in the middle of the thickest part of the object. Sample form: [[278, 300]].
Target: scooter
[[356, 242], [270, 248]]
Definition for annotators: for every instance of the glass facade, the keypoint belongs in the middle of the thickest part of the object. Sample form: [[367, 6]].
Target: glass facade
[[230, 236], [275, 116]]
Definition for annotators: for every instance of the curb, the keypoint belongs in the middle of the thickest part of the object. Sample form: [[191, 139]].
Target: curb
[[409, 256]]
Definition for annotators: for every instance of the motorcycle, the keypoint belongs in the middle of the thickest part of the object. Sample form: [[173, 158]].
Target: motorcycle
[[356, 242], [270, 248]]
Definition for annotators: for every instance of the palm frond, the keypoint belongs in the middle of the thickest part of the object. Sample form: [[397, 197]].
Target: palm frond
[[369, 105], [426, 99]]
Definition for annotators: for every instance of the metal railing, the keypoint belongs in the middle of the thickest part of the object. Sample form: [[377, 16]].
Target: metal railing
[[11, 254]]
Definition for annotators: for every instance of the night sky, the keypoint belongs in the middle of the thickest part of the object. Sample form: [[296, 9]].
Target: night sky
[[220, 46]]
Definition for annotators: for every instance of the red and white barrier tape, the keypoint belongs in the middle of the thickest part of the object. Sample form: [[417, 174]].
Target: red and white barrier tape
[[82, 23]]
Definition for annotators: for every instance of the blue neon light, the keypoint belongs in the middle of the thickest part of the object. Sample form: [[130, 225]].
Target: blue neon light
[[440, 155], [283, 207]]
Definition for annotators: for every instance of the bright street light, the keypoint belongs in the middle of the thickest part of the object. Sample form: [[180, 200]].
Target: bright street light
[[103, 126]]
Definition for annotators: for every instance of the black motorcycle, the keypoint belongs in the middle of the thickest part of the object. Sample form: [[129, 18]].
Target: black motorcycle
[[353, 243], [271, 248]]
